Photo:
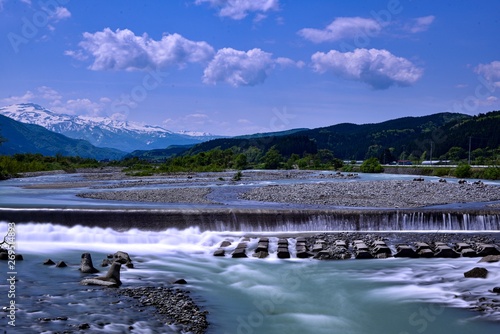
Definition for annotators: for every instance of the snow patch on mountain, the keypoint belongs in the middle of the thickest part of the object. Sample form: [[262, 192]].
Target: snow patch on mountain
[[103, 131]]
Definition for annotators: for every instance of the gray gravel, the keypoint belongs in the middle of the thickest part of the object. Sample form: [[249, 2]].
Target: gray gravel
[[384, 194], [174, 195], [173, 306]]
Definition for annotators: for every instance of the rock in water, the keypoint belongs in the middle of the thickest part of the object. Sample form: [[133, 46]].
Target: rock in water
[[123, 258], [61, 264], [477, 273], [112, 278], [86, 265]]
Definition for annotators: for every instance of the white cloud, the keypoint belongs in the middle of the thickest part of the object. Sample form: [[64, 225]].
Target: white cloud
[[61, 13], [490, 72], [239, 9], [239, 68], [83, 107], [420, 24], [378, 68], [26, 98], [198, 121], [123, 50], [49, 94], [342, 28]]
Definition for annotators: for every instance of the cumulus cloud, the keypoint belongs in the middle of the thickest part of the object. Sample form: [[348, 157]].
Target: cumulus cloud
[[25, 98], [239, 9], [420, 24], [490, 72], [48, 94], [61, 13], [342, 28], [378, 68], [123, 50], [240, 68]]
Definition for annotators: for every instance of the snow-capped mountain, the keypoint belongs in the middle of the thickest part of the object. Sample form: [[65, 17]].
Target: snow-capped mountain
[[101, 131]]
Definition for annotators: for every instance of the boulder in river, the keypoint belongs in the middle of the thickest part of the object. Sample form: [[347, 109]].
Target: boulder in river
[[112, 278], [490, 258], [477, 272], [61, 264], [86, 265]]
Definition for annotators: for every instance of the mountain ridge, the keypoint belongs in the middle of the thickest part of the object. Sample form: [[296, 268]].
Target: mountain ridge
[[31, 138], [102, 131]]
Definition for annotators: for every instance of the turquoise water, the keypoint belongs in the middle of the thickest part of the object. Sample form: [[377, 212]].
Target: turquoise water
[[244, 295]]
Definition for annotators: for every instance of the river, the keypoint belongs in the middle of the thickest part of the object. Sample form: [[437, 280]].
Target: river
[[250, 295]]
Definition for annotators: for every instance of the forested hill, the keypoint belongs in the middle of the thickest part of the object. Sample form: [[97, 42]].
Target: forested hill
[[408, 134], [352, 141], [404, 138]]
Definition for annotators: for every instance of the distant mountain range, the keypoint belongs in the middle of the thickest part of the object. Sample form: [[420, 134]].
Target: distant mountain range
[[401, 138], [102, 138], [19, 137], [103, 132]]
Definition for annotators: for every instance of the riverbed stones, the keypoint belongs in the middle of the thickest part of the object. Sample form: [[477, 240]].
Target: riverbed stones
[[477, 272], [386, 194], [172, 306]]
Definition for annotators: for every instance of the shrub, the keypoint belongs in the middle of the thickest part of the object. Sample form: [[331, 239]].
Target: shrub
[[492, 173], [371, 165], [463, 171]]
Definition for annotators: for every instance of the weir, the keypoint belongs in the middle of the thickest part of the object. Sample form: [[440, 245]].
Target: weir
[[265, 220]]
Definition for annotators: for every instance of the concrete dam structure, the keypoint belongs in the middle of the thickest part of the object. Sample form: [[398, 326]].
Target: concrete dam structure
[[262, 220]]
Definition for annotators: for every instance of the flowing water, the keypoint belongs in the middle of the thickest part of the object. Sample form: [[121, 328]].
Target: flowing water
[[242, 295], [248, 295]]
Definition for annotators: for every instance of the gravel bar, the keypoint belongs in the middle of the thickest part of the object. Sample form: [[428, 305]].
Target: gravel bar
[[378, 194], [175, 195], [173, 306]]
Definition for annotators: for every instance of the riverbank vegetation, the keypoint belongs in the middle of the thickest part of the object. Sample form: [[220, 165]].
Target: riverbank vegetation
[[11, 166]]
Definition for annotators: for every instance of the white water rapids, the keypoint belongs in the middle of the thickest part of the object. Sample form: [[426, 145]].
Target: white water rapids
[[244, 295]]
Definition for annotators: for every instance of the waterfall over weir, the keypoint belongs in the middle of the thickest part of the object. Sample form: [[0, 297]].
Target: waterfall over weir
[[265, 220]]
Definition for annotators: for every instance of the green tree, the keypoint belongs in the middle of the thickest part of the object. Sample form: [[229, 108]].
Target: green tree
[[272, 159], [240, 162], [371, 165]]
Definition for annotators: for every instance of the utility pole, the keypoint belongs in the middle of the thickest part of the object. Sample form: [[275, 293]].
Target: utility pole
[[470, 140]]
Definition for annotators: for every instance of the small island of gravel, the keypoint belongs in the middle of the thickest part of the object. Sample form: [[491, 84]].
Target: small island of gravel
[[176, 195], [377, 194]]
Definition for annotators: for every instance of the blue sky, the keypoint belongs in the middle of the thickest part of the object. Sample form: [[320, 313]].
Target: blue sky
[[234, 67]]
